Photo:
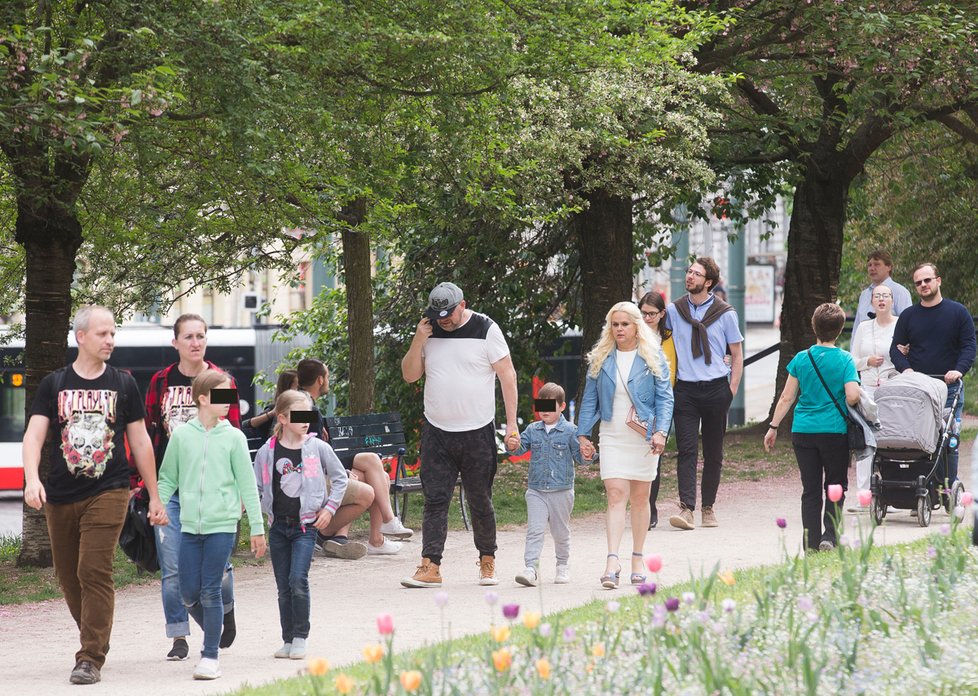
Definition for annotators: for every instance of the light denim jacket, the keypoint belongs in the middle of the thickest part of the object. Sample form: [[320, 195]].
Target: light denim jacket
[[552, 454], [317, 456], [652, 397]]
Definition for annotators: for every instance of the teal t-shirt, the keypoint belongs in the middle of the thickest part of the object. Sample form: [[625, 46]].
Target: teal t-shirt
[[814, 412]]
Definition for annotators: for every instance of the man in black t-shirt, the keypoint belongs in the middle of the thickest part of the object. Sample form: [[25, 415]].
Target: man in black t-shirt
[[89, 409]]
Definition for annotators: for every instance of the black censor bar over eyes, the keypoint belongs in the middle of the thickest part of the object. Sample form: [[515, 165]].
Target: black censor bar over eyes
[[224, 396], [302, 417], [545, 405]]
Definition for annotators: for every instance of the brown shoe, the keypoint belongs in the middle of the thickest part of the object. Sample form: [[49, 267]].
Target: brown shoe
[[428, 574], [85, 673], [487, 571], [708, 518], [684, 520]]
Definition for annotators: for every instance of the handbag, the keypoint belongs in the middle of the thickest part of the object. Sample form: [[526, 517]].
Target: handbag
[[137, 538], [631, 418], [854, 431]]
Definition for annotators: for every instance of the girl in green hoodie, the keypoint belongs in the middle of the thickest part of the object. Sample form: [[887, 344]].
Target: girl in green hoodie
[[207, 461]]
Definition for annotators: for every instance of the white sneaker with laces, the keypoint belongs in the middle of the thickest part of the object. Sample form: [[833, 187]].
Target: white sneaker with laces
[[283, 652], [207, 668], [395, 529], [388, 548], [528, 577], [563, 575]]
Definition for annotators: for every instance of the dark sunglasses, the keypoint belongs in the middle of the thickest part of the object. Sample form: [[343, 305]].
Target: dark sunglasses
[[924, 281]]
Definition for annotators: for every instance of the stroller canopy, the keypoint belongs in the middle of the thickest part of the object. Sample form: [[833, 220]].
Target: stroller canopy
[[910, 410]]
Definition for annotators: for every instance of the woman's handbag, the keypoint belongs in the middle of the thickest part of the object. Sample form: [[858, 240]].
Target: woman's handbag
[[854, 431], [631, 419]]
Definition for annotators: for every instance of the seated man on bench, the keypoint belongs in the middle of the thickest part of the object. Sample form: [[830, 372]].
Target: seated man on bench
[[368, 478]]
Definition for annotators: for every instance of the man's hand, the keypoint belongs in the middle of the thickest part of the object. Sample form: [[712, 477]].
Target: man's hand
[[258, 545], [874, 360], [952, 376], [323, 519], [157, 513], [34, 494], [424, 330]]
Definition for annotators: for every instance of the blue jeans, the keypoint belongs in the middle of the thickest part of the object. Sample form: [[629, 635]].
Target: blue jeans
[[203, 558], [291, 547], [168, 552], [950, 472]]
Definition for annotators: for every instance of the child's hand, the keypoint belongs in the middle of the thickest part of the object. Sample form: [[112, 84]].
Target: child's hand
[[323, 520], [258, 545], [512, 443], [587, 451]]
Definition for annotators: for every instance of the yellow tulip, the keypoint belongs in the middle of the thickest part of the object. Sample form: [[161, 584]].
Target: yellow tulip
[[343, 684], [411, 680], [502, 659], [543, 668], [500, 634], [598, 650], [531, 619], [317, 666], [373, 653], [726, 578]]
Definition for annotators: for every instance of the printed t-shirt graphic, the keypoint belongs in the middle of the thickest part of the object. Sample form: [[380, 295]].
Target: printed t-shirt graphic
[[87, 417], [178, 407]]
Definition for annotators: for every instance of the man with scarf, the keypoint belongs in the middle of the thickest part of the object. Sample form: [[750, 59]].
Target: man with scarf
[[704, 327]]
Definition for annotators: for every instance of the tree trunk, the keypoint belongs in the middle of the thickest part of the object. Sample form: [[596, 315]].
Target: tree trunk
[[357, 267], [604, 231], [51, 236]]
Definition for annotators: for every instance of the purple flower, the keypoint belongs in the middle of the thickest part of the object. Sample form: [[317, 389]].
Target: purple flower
[[728, 605], [659, 616], [612, 606], [441, 599], [805, 603], [569, 634], [945, 529], [781, 522], [672, 604], [545, 630], [511, 611], [647, 589], [931, 552], [491, 598], [688, 598]]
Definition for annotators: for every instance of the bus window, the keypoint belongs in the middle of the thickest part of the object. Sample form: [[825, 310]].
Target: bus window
[[12, 403]]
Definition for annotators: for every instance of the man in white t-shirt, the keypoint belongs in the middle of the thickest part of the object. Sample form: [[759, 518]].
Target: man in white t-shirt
[[460, 353]]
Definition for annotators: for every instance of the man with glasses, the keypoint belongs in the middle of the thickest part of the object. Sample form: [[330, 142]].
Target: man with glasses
[[704, 327], [879, 267], [940, 334]]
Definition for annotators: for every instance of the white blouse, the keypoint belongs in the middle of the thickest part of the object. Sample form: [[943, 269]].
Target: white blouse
[[871, 339]]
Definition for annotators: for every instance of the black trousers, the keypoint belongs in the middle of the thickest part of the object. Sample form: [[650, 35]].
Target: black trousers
[[823, 460], [700, 405], [444, 457]]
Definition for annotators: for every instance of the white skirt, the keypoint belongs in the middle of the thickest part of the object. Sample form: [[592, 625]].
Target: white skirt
[[624, 453]]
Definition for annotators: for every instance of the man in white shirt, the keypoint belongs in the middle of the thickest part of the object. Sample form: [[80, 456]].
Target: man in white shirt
[[460, 353], [879, 267]]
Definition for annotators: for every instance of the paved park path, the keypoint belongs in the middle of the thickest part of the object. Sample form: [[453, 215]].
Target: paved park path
[[38, 641]]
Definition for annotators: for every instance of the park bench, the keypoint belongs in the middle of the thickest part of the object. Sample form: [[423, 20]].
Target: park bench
[[383, 434]]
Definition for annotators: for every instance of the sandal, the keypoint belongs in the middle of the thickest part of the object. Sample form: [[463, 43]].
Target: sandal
[[638, 578], [609, 581]]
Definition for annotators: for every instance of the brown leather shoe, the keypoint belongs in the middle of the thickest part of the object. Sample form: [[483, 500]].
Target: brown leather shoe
[[708, 518], [684, 520], [487, 571], [428, 574]]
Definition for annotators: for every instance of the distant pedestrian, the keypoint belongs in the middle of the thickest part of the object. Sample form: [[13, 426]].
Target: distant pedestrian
[[262, 424], [879, 268]]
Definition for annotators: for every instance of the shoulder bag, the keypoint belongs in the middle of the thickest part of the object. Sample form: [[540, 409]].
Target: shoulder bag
[[632, 420], [854, 431]]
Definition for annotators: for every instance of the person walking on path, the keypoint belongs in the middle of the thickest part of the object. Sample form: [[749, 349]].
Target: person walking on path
[[460, 353], [703, 329], [170, 405], [939, 335], [626, 371], [91, 409], [879, 268], [824, 376]]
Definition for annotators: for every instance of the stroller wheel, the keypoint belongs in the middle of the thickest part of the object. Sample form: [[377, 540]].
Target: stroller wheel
[[923, 510], [877, 508], [954, 499]]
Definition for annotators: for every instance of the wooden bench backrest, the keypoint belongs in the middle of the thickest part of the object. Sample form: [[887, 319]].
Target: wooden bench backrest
[[381, 433]]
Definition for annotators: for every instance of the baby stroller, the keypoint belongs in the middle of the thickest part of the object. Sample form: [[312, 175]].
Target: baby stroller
[[912, 447]]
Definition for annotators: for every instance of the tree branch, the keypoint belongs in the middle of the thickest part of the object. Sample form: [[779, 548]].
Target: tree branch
[[959, 127]]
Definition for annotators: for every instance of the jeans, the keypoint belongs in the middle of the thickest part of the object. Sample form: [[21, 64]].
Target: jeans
[[168, 552], [203, 558], [83, 540], [949, 472], [543, 509], [823, 460], [291, 546], [700, 405]]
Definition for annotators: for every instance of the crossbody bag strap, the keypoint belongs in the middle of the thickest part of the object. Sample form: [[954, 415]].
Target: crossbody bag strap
[[624, 384], [842, 413]]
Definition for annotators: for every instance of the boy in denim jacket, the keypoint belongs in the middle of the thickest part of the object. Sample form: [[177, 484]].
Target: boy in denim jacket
[[553, 444]]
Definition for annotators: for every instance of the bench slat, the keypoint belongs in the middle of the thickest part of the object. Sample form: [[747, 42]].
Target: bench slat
[[366, 442], [341, 431], [381, 450], [366, 419]]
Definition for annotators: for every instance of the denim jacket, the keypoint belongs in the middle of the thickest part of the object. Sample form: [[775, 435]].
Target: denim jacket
[[317, 456], [552, 454], [652, 397]]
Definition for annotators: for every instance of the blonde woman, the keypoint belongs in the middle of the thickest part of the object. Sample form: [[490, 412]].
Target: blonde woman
[[626, 368]]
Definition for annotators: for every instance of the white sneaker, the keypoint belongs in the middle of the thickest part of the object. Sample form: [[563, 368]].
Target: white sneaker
[[563, 575], [528, 577], [396, 529], [298, 651], [388, 548], [207, 668], [283, 652]]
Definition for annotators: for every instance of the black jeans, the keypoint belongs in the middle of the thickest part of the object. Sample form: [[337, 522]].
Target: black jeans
[[823, 460], [444, 456], [696, 404]]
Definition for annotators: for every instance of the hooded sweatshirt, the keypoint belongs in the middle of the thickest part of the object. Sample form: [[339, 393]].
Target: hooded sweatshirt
[[212, 471]]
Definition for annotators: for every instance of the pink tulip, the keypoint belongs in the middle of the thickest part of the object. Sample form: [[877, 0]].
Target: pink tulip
[[835, 492], [865, 497], [385, 624], [967, 499], [653, 562]]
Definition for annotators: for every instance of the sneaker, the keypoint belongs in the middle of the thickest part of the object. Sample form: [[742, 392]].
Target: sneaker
[[428, 574], [528, 577], [347, 550], [708, 518], [207, 668], [395, 529], [179, 651], [229, 631], [684, 520], [388, 548], [298, 651], [825, 545], [487, 570], [85, 673], [563, 575], [284, 652]]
